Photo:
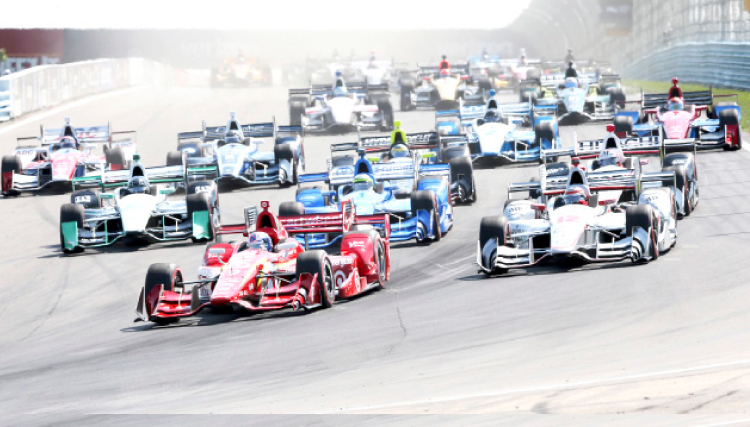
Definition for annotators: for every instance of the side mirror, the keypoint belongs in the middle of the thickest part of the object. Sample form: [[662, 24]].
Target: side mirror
[[167, 191]]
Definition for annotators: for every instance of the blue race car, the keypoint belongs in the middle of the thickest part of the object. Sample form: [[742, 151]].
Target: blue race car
[[491, 132], [417, 196], [233, 151]]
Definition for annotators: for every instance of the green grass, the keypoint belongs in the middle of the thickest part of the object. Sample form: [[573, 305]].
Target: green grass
[[632, 86]]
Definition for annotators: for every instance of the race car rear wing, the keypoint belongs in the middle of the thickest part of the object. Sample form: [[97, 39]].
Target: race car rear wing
[[344, 146], [337, 222], [156, 175], [654, 100], [612, 180], [415, 141]]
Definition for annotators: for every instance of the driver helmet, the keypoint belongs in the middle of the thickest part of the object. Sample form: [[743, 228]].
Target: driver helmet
[[576, 195], [399, 151], [445, 73], [363, 182], [259, 241], [493, 116], [608, 158], [233, 137], [571, 82], [67, 142], [676, 104], [138, 185]]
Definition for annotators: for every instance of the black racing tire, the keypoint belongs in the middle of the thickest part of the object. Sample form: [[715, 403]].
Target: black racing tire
[[285, 152], [624, 124], [642, 216], [116, 156], [89, 199], [535, 193], [405, 97], [493, 227], [175, 158], [337, 161], [386, 110], [297, 106], [484, 84], [427, 200], [201, 202], [70, 212], [682, 182], [10, 163], [712, 113], [192, 149], [168, 275], [617, 97], [730, 118], [544, 130], [287, 209], [317, 262], [462, 172], [198, 187]]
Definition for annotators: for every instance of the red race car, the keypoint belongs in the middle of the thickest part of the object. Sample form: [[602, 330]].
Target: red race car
[[270, 271]]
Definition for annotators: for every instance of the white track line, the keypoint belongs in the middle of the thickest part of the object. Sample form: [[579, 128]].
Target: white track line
[[574, 385], [38, 115]]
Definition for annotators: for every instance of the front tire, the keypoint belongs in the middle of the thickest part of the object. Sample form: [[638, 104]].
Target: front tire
[[317, 262]]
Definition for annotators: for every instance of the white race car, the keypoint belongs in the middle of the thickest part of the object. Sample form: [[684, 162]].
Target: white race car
[[342, 108], [572, 221]]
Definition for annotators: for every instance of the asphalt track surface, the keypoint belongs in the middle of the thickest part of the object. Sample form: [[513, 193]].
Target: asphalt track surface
[[669, 337]]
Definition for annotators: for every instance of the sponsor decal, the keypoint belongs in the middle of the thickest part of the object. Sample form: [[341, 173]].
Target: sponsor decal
[[82, 199]]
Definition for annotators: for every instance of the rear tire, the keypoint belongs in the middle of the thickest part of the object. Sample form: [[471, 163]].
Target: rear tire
[[386, 110], [405, 96], [116, 157], [544, 130], [297, 108], [624, 124], [617, 97], [316, 262], [89, 199], [683, 185], [287, 209], [174, 158]]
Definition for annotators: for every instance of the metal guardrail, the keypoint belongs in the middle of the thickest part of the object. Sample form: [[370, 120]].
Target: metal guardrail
[[46, 86], [718, 64]]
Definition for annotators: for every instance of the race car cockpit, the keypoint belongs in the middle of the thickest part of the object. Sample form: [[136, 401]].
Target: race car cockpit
[[66, 142], [574, 195], [570, 82], [137, 185], [493, 116], [609, 158], [676, 104], [363, 182]]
